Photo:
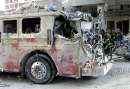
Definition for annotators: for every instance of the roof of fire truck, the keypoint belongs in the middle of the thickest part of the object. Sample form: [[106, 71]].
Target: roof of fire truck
[[24, 11], [35, 14]]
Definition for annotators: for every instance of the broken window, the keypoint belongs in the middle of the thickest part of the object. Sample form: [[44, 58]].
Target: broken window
[[64, 27], [10, 26], [31, 25]]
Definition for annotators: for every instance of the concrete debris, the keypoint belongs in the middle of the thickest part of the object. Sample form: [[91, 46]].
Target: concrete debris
[[4, 85]]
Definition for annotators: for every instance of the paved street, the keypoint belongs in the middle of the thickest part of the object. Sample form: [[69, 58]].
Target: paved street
[[117, 78]]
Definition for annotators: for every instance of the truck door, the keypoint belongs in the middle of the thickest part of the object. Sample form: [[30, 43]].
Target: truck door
[[69, 56], [69, 50], [9, 46]]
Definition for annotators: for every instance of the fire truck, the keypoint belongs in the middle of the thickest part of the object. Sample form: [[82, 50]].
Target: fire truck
[[47, 44], [30, 45]]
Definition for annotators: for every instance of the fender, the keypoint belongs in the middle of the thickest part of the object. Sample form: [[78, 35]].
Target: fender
[[25, 58]]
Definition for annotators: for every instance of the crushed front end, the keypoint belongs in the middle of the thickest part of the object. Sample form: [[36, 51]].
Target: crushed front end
[[93, 68], [95, 52]]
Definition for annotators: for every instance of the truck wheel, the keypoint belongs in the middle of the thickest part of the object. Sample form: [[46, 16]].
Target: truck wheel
[[38, 69]]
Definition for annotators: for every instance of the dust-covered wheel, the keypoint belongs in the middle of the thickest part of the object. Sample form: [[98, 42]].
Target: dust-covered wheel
[[39, 70]]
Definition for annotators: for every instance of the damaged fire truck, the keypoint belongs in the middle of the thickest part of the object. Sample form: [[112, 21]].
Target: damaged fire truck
[[47, 44]]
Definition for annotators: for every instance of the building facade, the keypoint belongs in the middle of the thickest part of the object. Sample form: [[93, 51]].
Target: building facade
[[11, 5], [118, 15], [14, 4]]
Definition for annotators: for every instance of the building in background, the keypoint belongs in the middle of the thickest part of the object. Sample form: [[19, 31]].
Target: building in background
[[118, 15], [11, 5]]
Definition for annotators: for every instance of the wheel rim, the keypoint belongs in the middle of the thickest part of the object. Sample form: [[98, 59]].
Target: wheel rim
[[38, 70]]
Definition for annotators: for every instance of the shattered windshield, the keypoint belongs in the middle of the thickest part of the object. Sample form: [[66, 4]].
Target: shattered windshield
[[64, 27]]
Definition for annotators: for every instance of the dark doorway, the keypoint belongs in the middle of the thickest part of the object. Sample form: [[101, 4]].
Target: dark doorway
[[111, 25], [123, 26]]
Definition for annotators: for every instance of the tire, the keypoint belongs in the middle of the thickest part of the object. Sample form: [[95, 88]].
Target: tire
[[39, 69]]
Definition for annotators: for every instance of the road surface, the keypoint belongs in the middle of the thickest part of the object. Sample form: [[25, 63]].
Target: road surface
[[117, 78]]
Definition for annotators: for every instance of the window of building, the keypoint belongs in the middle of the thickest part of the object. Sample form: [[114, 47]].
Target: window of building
[[26, 0], [121, 7], [6, 1], [11, 1], [7, 7], [15, 0], [31, 25], [10, 26], [16, 5], [124, 7]]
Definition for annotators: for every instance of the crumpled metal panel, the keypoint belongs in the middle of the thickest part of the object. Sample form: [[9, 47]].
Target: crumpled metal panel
[[90, 70], [66, 57]]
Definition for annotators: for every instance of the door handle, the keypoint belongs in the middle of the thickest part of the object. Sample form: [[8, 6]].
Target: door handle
[[49, 36], [0, 37]]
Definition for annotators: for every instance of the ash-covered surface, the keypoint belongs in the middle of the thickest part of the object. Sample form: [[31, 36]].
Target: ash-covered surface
[[117, 78]]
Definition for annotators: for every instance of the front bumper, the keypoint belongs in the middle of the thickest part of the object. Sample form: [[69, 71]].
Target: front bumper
[[96, 70]]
